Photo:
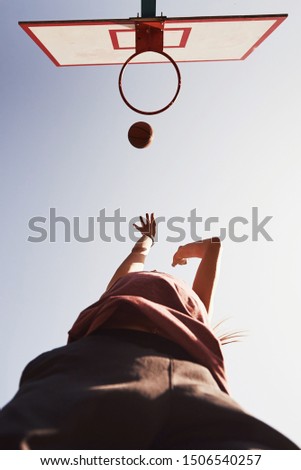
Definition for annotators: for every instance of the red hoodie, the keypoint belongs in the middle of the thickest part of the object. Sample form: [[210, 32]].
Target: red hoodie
[[174, 309]]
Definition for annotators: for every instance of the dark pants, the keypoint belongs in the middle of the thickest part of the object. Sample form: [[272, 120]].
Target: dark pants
[[122, 389]]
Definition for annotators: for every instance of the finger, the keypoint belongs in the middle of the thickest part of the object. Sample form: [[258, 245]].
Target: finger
[[153, 228], [141, 220], [179, 250], [176, 256], [180, 262], [136, 227], [178, 259], [175, 260]]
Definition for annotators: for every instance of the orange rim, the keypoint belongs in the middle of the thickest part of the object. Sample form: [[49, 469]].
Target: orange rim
[[158, 110]]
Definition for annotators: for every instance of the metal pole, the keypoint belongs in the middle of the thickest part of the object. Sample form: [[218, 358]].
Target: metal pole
[[148, 8]]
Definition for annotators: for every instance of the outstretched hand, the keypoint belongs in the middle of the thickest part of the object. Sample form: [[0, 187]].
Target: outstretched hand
[[197, 249], [148, 226], [191, 250], [179, 257]]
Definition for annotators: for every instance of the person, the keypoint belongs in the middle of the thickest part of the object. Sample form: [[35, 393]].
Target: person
[[142, 369]]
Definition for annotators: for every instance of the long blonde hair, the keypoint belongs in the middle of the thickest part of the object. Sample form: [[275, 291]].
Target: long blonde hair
[[230, 336]]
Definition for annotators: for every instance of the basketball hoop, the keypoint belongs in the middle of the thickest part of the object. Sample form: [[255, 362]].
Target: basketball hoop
[[170, 59], [104, 42]]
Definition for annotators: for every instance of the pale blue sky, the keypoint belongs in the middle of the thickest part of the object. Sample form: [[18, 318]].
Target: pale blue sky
[[230, 142]]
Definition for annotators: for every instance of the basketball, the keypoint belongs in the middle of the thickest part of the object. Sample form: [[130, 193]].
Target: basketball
[[140, 135]]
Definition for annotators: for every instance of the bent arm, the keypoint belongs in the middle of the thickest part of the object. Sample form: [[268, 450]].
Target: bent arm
[[206, 276], [205, 280]]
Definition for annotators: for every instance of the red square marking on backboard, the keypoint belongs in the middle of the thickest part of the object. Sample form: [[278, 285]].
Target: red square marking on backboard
[[115, 35], [184, 38]]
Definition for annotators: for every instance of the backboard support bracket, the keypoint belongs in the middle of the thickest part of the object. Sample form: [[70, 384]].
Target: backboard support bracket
[[149, 36]]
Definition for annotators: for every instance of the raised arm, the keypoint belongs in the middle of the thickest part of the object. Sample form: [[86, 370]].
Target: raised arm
[[206, 276], [136, 259]]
